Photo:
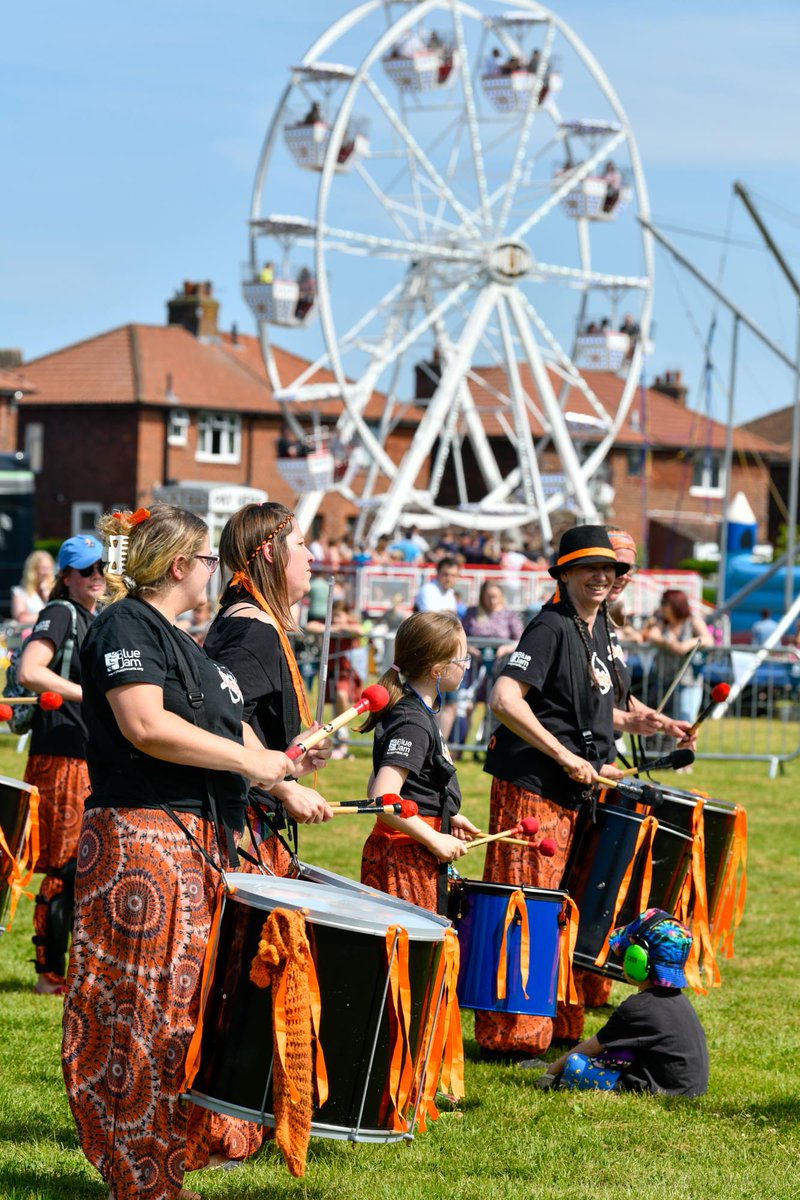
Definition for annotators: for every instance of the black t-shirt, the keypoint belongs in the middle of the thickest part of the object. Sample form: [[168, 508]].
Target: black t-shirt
[[129, 644], [251, 649], [542, 661], [662, 1029], [61, 730], [409, 737]]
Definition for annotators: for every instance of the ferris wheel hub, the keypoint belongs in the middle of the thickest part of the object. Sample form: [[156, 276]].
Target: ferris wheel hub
[[509, 261]]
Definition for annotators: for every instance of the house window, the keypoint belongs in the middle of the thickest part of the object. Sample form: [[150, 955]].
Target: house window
[[636, 460], [85, 516], [177, 426], [219, 437], [708, 476]]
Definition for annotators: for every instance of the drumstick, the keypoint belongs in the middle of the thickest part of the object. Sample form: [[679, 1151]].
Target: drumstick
[[683, 669], [719, 694], [546, 847], [373, 699], [403, 808], [386, 798], [670, 762]]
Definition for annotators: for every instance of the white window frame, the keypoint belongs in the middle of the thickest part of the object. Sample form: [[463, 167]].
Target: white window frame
[[82, 509], [706, 488], [228, 427], [178, 427]]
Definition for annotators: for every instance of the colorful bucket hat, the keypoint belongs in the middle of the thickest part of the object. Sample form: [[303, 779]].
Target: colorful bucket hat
[[668, 943]]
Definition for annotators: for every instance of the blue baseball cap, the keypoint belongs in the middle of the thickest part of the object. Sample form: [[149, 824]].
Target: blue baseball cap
[[668, 946], [79, 552]]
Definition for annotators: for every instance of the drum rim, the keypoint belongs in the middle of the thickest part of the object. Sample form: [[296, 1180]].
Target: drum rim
[[363, 889], [509, 888], [640, 817], [16, 783], [347, 923]]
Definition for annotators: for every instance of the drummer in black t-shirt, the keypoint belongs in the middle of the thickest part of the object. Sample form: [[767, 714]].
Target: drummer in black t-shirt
[[542, 764], [168, 761], [407, 856], [263, 547], [56, 764]]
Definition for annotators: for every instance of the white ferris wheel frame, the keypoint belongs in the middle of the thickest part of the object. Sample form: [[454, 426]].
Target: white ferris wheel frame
[[514, 312]]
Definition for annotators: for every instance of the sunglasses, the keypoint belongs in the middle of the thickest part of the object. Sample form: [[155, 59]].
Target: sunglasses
[[88, 572], [211, 561]]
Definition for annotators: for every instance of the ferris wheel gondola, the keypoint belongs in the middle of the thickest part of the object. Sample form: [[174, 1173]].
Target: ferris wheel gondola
[[455, 249]]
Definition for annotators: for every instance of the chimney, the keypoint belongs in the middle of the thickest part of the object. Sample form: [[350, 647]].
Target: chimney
[[10, 359], [671, 384], [195, 309]]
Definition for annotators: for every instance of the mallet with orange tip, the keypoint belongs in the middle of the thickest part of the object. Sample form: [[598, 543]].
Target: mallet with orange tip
[[384, 807], [48, 701]]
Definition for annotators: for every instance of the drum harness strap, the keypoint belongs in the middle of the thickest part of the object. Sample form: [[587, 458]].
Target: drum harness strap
[[581, 700], [194, 694]]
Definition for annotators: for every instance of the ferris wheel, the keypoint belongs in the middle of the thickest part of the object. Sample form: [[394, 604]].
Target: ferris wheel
[[452, 292]]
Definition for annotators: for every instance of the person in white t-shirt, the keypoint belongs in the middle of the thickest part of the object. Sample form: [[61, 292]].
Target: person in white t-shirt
[[438, 594]]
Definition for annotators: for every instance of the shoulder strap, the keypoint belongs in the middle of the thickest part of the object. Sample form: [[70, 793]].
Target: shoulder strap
[[64, 655], [581, 696]]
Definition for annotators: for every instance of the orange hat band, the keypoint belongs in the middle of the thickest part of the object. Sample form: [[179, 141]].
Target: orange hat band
[[590, 552]]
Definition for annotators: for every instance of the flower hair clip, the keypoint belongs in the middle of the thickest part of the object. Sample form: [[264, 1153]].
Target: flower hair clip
[[118, 543], [133, 518]]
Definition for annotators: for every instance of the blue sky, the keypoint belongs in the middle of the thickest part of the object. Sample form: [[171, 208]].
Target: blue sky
[[131, 134]]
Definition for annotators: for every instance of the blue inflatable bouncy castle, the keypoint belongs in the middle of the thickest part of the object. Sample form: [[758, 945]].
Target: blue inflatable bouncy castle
[[743, 569]]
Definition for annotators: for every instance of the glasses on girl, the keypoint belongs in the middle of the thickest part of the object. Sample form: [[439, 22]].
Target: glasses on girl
[[87, 572], [211, 561]]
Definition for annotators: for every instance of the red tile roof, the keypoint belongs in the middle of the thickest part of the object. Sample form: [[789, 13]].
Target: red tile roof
[[775, 427], [660, 422], [14, 381]]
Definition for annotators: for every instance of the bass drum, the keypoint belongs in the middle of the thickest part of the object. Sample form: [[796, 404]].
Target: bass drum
[[347, 934], [604, 850]]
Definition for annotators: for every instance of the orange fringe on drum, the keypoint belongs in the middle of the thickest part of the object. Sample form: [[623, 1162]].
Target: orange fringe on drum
[[284, 963], [506, 863]]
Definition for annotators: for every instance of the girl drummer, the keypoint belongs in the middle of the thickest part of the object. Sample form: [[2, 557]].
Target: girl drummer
[[168, 798], [263, 548], [410, 758], [542, 765]]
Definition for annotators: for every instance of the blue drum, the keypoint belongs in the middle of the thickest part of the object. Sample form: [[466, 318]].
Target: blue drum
[[480, 912]]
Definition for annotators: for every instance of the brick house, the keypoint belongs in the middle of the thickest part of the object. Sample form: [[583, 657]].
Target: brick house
[[142, 406], [776, 427]]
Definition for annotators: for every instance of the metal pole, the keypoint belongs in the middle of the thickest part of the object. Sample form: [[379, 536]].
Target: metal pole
[[723, 535], [791, 533]]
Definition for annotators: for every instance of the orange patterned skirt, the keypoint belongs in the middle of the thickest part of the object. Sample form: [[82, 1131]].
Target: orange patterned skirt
[[63, 785], [144, 899], [505, 863], [400, 866]]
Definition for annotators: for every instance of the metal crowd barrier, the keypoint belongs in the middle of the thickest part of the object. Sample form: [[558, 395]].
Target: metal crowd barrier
[[761, 725]]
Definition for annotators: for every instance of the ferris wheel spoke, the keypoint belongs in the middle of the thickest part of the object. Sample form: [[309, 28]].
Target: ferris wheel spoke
[[529, 469], [421, 157], [571, 180], [472, 119], [417, 455], [383, 247], [526, 127], [571, 372], [599, 279], [391, 207], [556, 425]]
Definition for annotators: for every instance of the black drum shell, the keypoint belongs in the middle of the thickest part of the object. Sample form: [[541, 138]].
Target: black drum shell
[[237, 1044], [601, 850], [14, 808]]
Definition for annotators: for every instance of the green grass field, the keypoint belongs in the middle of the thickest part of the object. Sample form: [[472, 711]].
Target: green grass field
[[509, 1140]]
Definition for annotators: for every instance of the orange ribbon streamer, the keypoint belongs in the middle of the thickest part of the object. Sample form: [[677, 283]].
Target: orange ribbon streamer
[[20, 870], [567, 992], [644, 843], [515, 908], [444, 1061], [693, 911], [193, 1053], [728, 910], [401, 1077]]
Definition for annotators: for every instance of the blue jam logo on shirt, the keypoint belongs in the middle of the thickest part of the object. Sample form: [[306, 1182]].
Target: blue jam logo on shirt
[[123, 660], [519, 659], [399, 746], [230, 684], [601, 674]]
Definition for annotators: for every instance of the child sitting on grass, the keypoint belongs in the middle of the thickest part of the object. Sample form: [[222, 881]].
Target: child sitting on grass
[[654, 1041]]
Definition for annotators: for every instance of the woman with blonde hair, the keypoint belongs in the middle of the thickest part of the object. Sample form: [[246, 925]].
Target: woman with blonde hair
[[264, 549], [168, 758], [31, 594]]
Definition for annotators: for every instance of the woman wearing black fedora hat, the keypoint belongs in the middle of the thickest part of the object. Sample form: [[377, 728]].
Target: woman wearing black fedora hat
[[543, 756]]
